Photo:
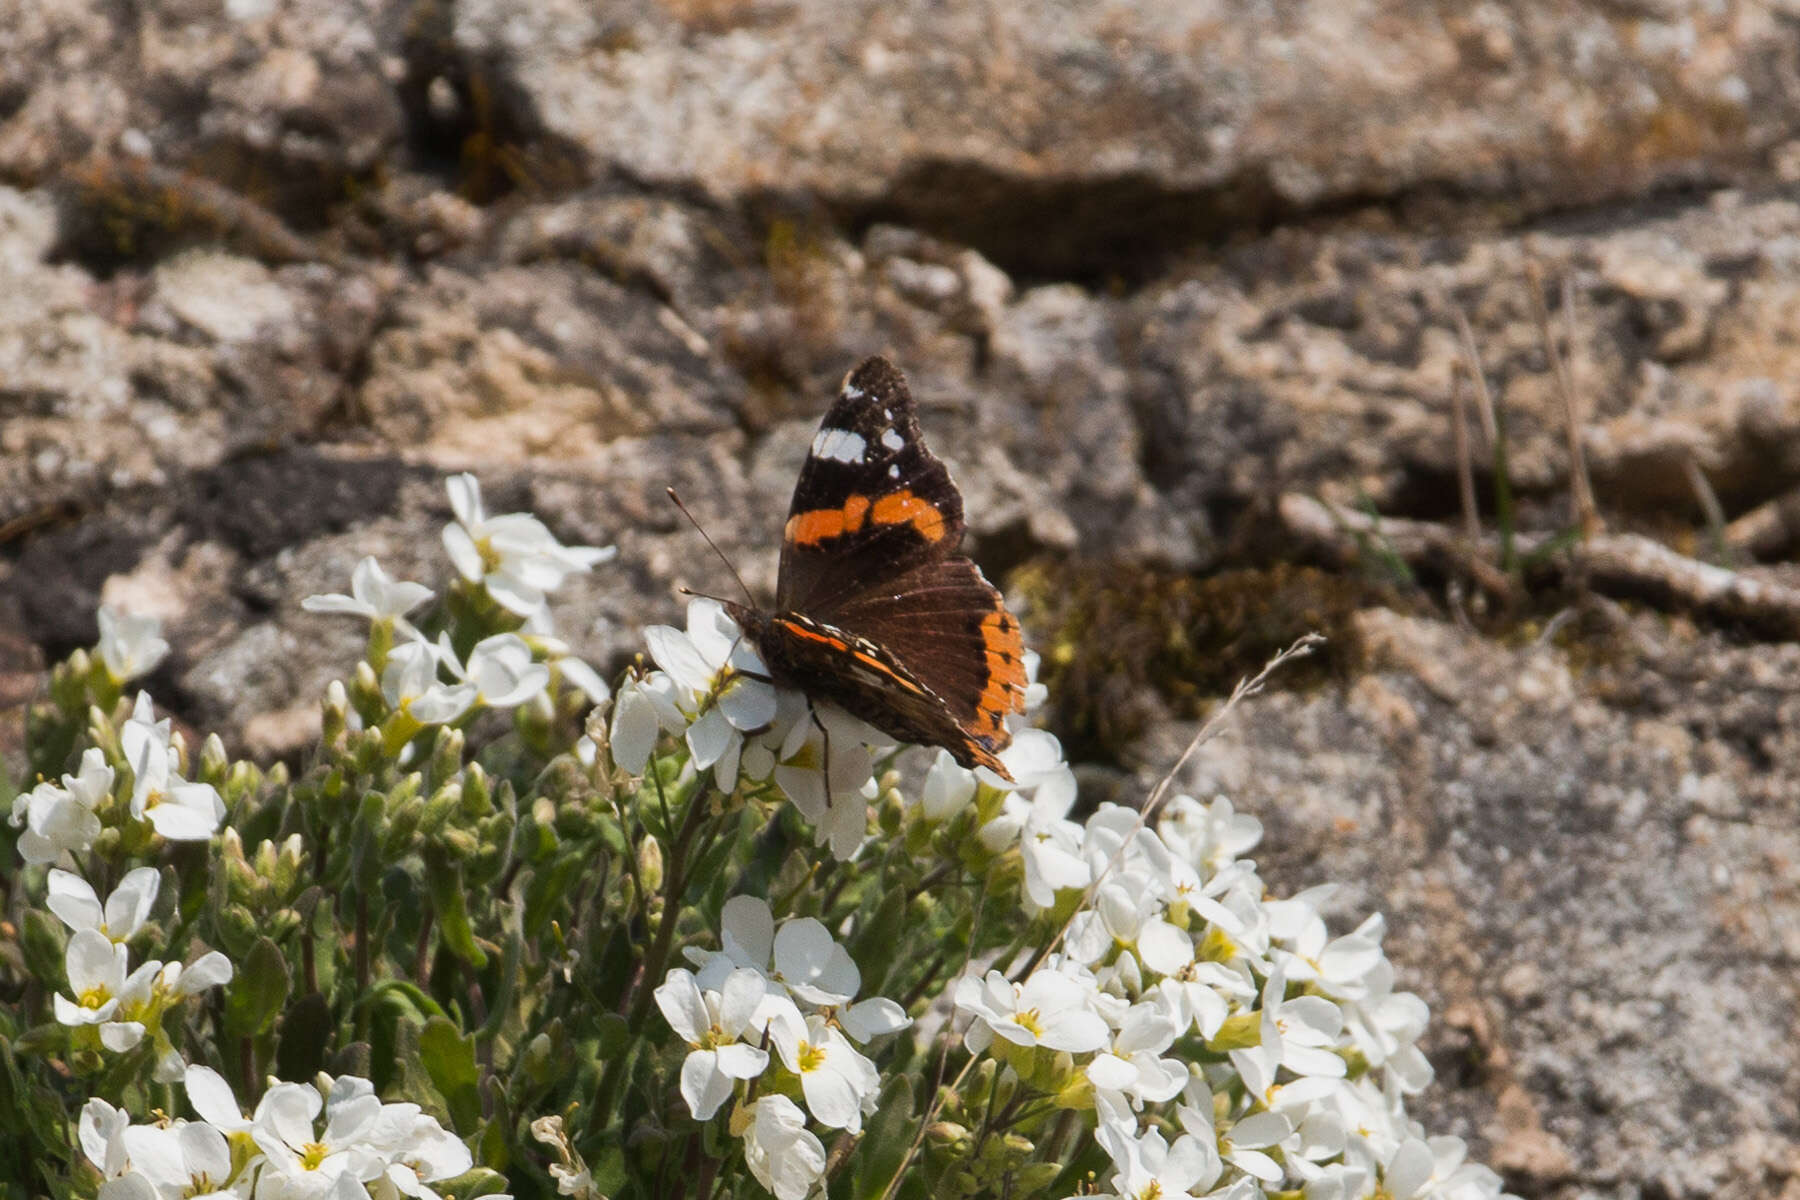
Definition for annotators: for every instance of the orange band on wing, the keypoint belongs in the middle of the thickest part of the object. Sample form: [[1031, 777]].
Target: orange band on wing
[[1005, 688], [904, 508], [823, 524]]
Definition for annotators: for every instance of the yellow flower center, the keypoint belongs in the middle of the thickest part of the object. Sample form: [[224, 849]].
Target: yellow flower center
[[1030, 1020], [312, 1154], [94, 997], [811, 1057], [200, 1185]]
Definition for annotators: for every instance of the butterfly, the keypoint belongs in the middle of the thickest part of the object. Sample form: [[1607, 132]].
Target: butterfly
[[875, 609]]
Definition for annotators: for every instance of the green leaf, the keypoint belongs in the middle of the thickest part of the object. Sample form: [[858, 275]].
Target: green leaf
[[444, 880], [479, 1182], [449, 1058], [608, 1169], [879, 941], [306, 1034], [614, 1035], [351, 1060], [30, 1111], [258, 991], [548, 890], [43, 946], [885, 1141]]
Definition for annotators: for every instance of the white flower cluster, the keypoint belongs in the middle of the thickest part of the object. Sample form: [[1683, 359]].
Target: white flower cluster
[[59, 821], [112, 1005], [118, 1003], [1312, 1051], [518, 562], [793, 986], [331, 1140]]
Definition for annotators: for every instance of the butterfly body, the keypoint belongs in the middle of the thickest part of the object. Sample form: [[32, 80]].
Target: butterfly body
[[876, 611]]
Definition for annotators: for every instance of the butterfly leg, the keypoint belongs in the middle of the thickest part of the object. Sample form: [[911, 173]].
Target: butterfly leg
[[825, 736]]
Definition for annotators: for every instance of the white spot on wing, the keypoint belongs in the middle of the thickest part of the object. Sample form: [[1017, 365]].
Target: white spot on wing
[[894, 471], [892, 439], [839, 445], [852, 393]]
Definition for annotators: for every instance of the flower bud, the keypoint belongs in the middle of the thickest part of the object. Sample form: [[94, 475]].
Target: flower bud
[[214, 762], [460, 843], [650, 863], [477, 799], [437, 810], [950, 1135], [446, 753]]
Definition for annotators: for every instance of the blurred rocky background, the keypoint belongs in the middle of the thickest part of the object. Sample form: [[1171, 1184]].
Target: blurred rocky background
[[1179, 287]]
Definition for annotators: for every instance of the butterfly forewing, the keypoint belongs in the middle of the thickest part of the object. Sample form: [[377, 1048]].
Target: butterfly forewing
[[872, 502]]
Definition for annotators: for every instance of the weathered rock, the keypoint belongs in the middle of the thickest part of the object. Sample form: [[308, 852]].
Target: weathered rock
[[286, 99], [141, 379], [1072, 136]]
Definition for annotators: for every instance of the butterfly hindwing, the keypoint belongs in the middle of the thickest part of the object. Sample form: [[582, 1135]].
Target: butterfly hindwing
[[950, 627]]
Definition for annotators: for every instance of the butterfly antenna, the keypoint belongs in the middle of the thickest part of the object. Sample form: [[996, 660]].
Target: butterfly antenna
[[715, 549]]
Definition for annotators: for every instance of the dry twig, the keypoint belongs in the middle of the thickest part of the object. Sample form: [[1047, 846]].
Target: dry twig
[[1623, 565]]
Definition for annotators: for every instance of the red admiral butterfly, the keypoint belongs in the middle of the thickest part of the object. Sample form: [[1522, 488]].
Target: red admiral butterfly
[[874, 609]]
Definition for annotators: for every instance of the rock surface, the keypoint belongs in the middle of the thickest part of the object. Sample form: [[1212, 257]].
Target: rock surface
[[274, 267]]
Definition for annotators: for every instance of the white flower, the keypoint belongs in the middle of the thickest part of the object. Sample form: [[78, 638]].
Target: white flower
[[1127, 914], [1436, 1167], [410, 684], [419, 1150], [719, 684], [73, 899], [713, 1023], [130, 646], [1149, 1168], [871, 1018], [1049, 844], [948, 788], [303, 1163], [1134, 1067], [1201, 994], [373, 594], [634, 728], [1385, 1025], [101, 1129], [1296, 1034], [500, 668], [1048, 1009], [514, 556], [210, 970], [579, 674], [839, 1084], [182, 1162], [780, 1151], [178, 810], [800, 958], [825, 766], [1210, 837], [214, 1100], [61, 820], [97, 976]]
